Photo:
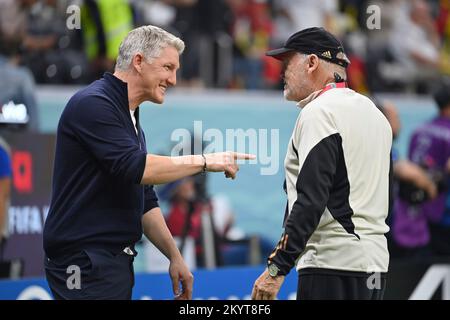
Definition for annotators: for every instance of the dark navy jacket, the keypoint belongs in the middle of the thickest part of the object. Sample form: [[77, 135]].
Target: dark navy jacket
[[97, 201]]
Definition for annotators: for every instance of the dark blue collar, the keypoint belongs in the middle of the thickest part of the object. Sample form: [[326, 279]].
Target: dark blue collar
[[120, 89]]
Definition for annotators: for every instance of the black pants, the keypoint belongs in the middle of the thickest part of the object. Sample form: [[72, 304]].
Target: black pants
[[322, 284], [440, 239], [93, 274]]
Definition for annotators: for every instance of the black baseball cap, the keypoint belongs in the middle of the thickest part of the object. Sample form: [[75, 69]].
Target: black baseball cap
[[314, 41]]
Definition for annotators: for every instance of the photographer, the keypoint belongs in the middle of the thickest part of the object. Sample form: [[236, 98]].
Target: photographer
[[412, 185], [422, 222]]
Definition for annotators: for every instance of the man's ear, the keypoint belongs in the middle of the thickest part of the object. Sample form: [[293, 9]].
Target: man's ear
[[313, 63], [137, 62]]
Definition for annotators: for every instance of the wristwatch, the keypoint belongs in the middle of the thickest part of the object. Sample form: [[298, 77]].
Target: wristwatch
[[273, 269]]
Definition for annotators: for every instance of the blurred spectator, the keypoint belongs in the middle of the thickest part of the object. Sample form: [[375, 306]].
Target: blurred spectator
[[237, 247], [204, 25], [252, 29], [16, 83], [381, 67], [17, 87], [232, 246], [155, 12], [357, 73], [104, 24], [186, 23], [12, 25], [406, 171], [415, 44], [420, 221], [352, 24], [296, 15], [443, 25], [411, 182], [224, 218], [5, 186], [52, 51], [184, 218]]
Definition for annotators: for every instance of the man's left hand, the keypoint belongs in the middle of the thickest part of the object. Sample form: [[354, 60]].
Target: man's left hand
[[266, 287], [180, 274]]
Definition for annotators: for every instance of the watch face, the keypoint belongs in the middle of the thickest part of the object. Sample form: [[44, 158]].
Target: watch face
[[273, 270]]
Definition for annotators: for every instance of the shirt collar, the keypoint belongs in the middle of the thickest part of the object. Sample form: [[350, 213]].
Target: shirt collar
[[120, 93], [302, 103], [120, 88], [315, 94]]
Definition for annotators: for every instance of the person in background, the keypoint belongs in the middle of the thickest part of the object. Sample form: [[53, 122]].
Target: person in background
[[104, 23], [425, 221], [184, 217], [415, 44], [301, 14], [411, 183], [405, 170], [187, 204], [16, 82], [5, 192], [251, 30], [52, 47]]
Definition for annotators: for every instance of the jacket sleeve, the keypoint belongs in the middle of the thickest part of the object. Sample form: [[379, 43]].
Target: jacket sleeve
[[100, 129], [317, 142]]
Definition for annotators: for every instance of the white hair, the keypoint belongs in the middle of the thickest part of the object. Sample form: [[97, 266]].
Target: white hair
[[147, 40], [330, 67]]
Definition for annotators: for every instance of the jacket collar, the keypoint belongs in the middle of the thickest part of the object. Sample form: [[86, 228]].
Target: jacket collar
[[120, 93], [315, 94], [120, 89]]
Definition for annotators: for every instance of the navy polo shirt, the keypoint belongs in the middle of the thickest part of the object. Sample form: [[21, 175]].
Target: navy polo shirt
[[97, 200]]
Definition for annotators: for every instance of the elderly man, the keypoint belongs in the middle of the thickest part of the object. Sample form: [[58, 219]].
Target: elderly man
[[103, 177], [337, 180]]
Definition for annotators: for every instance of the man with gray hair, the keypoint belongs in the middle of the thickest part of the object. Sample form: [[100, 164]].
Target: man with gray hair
[[338, 179], [103, 197]]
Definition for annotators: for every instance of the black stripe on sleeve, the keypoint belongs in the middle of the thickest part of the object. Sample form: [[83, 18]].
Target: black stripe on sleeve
[[295, 149], [339, 201], [314, 183], [391, 184]]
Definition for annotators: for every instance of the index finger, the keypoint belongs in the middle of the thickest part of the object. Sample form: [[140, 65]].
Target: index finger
[[244, 156]]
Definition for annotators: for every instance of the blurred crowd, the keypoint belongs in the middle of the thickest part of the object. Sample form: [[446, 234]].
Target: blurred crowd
[[393, 45], [209, 220]]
